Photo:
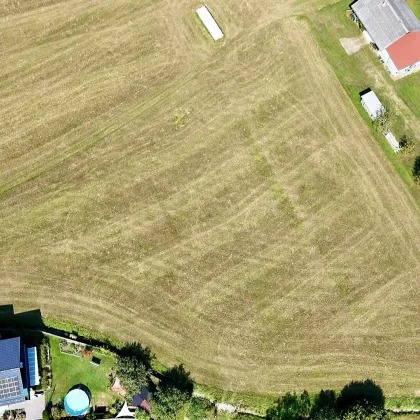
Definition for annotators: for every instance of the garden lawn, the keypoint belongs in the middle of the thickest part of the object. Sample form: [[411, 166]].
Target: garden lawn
[[71, 370], [415, 7], [409, 91]]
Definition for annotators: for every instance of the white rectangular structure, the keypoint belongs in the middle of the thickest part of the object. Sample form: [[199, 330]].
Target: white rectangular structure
[[372, 104], [392, 142], [209, 22]]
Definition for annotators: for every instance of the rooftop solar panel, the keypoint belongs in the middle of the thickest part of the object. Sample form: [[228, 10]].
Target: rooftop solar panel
[[10, 354], [33, 366], [11, 390]]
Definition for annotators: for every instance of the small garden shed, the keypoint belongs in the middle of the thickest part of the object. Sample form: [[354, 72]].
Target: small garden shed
[[372, 104]]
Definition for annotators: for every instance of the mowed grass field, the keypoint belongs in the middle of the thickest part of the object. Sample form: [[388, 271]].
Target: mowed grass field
[[224, 204]]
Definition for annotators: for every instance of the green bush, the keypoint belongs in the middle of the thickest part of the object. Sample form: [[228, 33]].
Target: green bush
[[416, 168], [290, 407], [169, 402], [200, 408], [141, 414]]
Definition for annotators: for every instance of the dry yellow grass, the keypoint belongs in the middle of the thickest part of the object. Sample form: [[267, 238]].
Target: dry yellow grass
[[224, 204]]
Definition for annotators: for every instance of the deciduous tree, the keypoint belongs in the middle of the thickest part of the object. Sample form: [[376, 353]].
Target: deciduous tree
[[132, 374], [365, 413], [324, 407], [290, 407], [168, 402], [366, 394]]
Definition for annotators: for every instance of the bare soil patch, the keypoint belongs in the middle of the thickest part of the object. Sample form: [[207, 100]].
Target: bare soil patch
[[352, 45]]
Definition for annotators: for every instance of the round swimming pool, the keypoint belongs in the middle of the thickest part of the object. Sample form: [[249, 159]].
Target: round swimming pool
[[77, 402]]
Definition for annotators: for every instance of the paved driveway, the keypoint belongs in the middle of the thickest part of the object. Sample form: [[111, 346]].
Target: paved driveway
[[33, 407]]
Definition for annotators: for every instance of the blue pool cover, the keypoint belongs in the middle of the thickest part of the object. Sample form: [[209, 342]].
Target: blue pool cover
[[76, 402]]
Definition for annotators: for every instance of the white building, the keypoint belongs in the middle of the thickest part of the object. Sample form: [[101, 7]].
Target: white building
[[394, 30], [372, 104], [209, 22]]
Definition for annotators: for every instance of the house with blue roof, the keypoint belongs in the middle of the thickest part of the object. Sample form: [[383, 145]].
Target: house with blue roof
[[18, 371]]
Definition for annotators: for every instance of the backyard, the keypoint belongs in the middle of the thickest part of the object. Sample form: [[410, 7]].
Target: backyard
[[71, 370]]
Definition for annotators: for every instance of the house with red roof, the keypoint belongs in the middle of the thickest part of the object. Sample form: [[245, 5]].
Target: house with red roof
[[394, 30]]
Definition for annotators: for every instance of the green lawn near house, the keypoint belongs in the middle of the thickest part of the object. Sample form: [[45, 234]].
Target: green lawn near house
[[69, 371], [415, 7], [409, 91], [409, 87]]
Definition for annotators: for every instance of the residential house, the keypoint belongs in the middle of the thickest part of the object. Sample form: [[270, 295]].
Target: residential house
[[18, 371]]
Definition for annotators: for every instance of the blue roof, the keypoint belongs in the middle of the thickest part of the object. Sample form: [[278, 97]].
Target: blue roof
[[10, 354], [33, 366], [11, 388]]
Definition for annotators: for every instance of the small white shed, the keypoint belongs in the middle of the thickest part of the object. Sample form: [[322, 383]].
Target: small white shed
[[209, 22], [392, 141], [372, 104]]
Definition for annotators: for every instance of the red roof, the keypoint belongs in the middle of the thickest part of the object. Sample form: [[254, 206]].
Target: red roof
[[145, 405], [405, 51]]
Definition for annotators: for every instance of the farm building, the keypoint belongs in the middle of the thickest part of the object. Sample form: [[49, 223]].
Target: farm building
[[372, 104], [395, 31], [209, 22]]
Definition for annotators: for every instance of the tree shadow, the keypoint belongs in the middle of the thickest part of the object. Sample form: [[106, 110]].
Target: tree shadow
[[83, 388], [26, 325], [143, 354], [364, 91], [178, 377]]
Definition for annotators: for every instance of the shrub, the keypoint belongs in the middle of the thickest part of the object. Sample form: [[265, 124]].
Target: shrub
[[416, 168], [169, 402], [90, 415], [406, 144], [200, 408], [87, 352], [290, 407], [141, 414]]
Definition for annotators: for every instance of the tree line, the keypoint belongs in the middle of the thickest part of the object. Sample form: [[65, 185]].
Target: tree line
[[358, 400], [173, 389]]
